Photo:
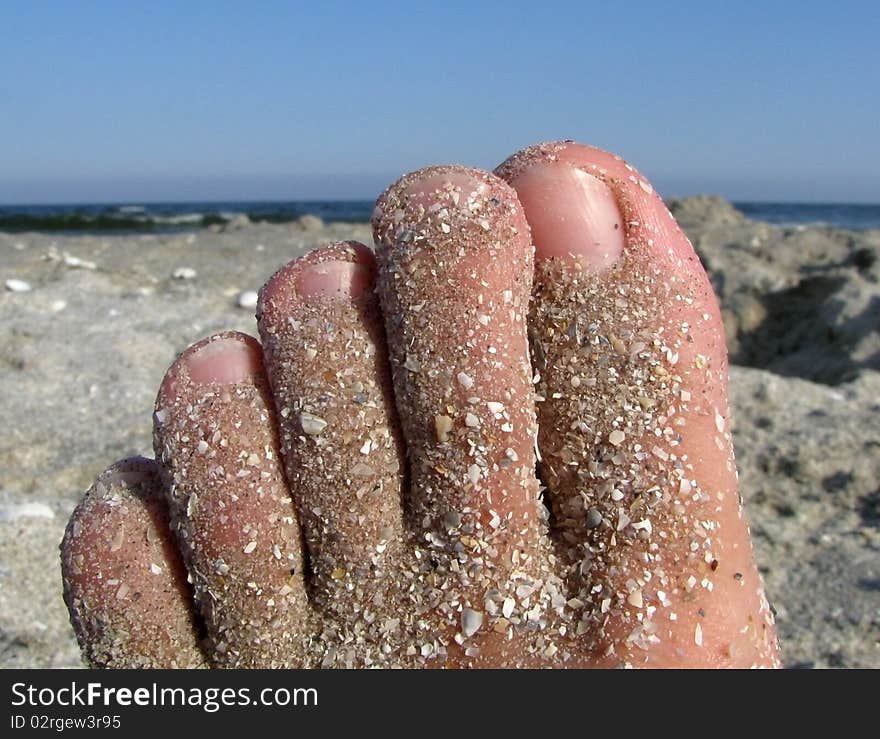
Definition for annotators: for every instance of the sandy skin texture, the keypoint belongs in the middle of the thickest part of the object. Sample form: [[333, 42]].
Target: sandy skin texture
[[814, 514], [647, 560]]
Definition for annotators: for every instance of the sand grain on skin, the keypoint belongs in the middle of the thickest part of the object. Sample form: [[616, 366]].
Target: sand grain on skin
[[122, 576]]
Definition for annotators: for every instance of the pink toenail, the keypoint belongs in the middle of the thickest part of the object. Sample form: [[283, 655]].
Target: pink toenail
[[425, 190], [572, 214], [333, 279], [224, 360]]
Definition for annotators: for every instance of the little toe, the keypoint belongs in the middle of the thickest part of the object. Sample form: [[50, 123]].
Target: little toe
[[634, 432], [325, 355], [124, 583], [215, 432]]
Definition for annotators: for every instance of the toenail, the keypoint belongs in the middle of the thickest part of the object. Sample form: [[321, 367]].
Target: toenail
[[126, 476], [333, 279], [572, 214], [223, 360], [425, 191]]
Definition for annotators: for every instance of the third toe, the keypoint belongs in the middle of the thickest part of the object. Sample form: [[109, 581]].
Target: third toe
[[326, 360]]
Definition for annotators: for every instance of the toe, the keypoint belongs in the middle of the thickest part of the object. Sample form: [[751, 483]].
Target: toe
[[215, 432], [455, 266], [634, 428], [124, 583], [325, 356]]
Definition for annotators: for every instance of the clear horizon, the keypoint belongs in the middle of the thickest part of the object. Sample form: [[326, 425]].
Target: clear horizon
[[288, 101], [135, 202]]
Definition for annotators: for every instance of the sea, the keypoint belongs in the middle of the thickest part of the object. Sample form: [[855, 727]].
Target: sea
[[180, 216]]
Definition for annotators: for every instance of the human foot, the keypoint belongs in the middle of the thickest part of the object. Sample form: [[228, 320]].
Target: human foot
[[335, 508]]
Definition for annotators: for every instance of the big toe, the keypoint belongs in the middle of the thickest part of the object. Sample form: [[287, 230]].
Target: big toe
[[634, 433]]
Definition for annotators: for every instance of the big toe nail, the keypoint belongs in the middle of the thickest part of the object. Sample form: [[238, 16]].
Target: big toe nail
[[573, 215]]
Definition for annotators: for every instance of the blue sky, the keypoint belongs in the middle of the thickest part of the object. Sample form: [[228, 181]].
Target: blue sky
[[160, 100]]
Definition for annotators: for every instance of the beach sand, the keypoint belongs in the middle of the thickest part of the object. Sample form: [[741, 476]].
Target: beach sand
[[82, 352]]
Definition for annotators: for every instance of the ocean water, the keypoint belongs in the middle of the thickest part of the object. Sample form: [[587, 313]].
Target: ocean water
[[852, 216], [170, 217], [165, 217]]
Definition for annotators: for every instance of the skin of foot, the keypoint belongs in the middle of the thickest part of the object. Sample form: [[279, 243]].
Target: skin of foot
[[499, 439]]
